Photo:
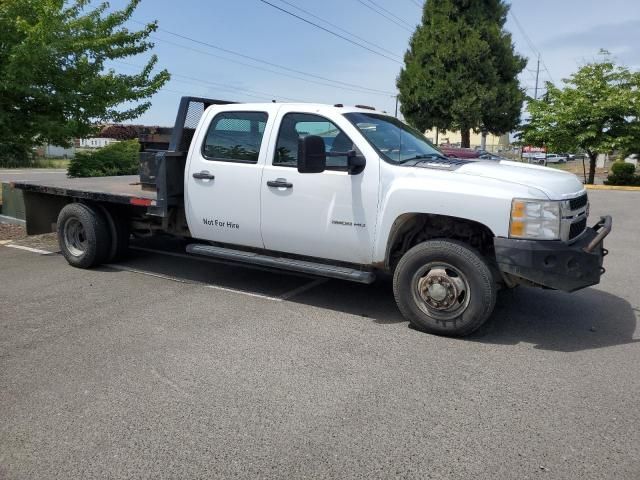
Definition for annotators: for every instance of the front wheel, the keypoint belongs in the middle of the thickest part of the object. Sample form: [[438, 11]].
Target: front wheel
[[444, 287]]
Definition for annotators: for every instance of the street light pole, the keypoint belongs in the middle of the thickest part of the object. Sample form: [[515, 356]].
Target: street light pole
[[535, 94]]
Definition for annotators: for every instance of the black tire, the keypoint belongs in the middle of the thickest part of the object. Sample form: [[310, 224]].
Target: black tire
[[119, 232], [83, 235], [455, 271]]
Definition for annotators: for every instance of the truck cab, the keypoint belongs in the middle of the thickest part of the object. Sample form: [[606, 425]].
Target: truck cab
[[351, 192]]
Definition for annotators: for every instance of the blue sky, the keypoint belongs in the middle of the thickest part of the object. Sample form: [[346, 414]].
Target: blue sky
[[567, 33]]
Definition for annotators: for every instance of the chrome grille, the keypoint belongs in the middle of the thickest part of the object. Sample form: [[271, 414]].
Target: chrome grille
[[578, 202], [577, 228]]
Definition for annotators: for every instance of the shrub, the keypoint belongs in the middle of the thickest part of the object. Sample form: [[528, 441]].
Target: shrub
[[116, 159], [623, 173], [15, 156]]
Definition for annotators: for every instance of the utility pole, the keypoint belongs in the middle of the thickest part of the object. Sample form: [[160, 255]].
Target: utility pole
[[396, 106], [535, 94]]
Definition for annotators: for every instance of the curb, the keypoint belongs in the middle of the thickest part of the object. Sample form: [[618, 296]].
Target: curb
[[612, 187], [12, 220]]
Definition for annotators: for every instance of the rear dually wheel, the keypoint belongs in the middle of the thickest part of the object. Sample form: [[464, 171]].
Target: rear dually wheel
[[83, 235]]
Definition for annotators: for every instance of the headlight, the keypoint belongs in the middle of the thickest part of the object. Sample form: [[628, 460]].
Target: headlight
[[535, 219]]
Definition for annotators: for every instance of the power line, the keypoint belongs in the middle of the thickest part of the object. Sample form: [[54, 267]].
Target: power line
[[385, 16], [288, 75], [524, 34], [247, 91], [265, 62], [547, 70], [339, 28], [532, 47], [391, 13], [331, 32], [416, 3]]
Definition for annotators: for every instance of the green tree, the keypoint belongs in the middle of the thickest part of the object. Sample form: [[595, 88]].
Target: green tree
[[53, 82], [597, 111], [461, 71]]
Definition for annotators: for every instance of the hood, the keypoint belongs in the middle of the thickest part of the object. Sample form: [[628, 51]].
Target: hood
[[556, 184]]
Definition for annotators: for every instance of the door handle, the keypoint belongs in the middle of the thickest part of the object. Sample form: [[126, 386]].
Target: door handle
[[203, 176], [280, 183]]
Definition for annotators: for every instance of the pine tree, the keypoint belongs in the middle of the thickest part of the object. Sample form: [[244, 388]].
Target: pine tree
[[461, 71]]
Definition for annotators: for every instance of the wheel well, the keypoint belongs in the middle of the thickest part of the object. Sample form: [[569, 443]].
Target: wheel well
[[412, 228]]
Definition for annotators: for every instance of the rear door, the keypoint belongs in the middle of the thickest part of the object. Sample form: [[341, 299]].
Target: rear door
[[222, 181]]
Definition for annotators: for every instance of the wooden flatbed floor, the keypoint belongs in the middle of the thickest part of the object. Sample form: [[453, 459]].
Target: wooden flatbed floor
[[121, 189]]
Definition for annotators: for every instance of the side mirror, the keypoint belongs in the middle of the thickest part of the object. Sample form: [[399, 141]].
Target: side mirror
[[355, 162], [312, 156]]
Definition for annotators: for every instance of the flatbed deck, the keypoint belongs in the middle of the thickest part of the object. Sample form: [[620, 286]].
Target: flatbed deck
[[124, 189]]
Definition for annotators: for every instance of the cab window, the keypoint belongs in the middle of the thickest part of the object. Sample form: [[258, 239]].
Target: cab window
[[235, 137]]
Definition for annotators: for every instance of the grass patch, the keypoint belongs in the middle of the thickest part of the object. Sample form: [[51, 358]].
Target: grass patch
[[50, 163]]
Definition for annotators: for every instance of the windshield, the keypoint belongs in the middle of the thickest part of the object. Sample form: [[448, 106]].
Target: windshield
[[395, 141]]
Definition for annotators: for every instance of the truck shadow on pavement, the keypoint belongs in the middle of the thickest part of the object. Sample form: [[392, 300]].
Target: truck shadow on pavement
[[549, 320], [558, 321]]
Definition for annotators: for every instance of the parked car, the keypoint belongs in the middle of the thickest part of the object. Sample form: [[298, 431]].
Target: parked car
[[535, 158], [470, 153], [555, 158], [457, 152], [343, 192]]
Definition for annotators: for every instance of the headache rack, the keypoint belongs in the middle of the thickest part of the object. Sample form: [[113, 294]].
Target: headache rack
[[164, 152]]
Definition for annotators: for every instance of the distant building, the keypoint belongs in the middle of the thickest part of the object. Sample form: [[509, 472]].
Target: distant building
[[54, 151], [495, 143], [95, 142]]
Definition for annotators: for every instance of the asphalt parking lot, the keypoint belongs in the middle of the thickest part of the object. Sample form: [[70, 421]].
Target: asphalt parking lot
[[168, 367]]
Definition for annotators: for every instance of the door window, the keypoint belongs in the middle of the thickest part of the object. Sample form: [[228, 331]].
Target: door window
[[295, 126], [235, 137]]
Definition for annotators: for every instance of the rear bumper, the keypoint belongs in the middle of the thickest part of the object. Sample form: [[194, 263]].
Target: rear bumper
[[555, 264]]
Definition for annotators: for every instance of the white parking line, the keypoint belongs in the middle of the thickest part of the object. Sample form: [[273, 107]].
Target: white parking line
[[285, 296], [189, 282], [29, 249], [297, 291]]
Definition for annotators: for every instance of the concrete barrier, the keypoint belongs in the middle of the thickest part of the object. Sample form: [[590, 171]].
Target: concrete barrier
[[12, 202]]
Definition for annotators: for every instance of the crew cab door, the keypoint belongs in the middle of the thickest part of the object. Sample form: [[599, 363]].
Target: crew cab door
[[223, 174], [329, 215]]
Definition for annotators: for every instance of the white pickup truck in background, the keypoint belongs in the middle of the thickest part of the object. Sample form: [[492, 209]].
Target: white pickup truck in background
[[344, 192]]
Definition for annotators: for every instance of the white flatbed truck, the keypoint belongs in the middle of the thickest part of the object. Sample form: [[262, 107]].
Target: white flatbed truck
[[342, 192]]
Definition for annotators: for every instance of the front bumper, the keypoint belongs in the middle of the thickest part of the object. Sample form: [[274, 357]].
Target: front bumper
[[553, 263]]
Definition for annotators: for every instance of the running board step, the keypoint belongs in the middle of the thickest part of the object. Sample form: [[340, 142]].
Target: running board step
[[333, 271]]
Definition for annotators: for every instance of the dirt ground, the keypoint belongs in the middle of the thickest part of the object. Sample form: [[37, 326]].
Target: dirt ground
[[16, 234], [11, 232]]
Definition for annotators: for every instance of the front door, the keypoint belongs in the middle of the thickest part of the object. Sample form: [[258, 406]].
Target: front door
[[330, 215], [223, 175]]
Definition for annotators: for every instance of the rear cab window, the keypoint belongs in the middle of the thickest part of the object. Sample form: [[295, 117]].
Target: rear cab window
[[235, 137]]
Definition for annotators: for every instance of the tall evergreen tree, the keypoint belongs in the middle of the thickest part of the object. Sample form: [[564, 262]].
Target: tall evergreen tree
[[53, 82], [461, 71]]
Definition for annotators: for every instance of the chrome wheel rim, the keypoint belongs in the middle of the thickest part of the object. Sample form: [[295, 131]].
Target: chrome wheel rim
[[75, 238], [441, 290]]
